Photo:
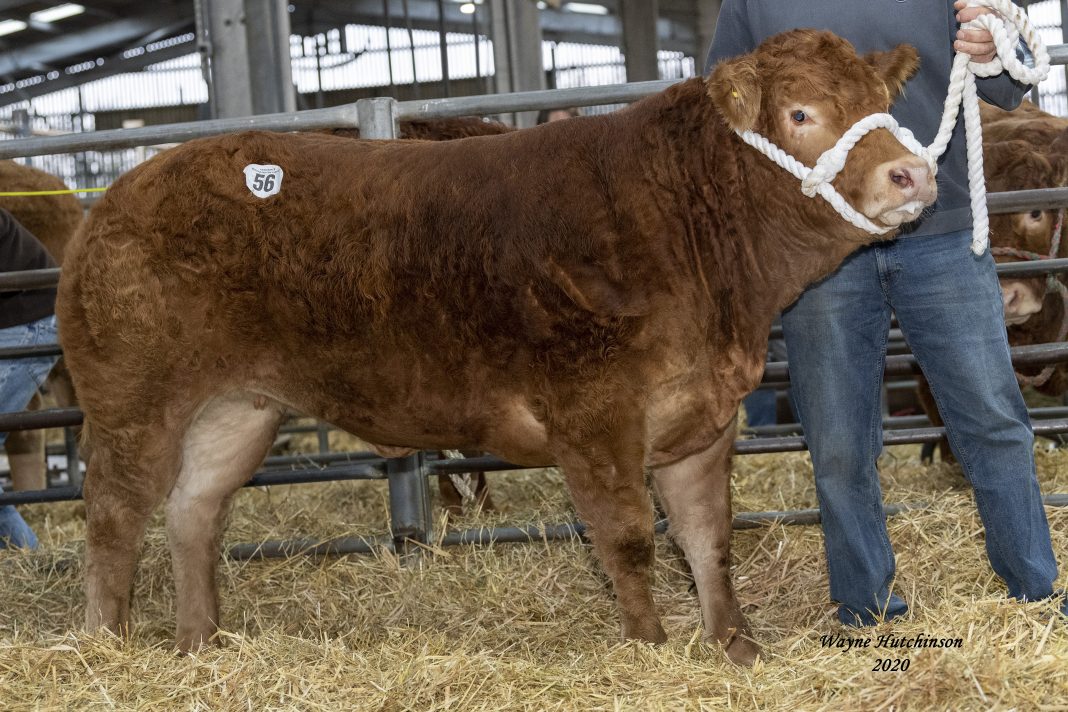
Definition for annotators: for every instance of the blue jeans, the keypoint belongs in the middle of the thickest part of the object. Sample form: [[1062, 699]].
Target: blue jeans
[[19, 379], [949, 306]]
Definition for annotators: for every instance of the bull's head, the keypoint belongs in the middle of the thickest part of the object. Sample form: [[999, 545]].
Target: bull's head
[[1018, 165], [805, 105]]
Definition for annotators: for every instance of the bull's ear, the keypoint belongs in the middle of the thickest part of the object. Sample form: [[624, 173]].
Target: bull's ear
[[895, 67], [735, 90]]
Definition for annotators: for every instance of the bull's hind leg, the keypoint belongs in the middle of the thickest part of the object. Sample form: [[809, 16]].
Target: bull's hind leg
[[696, 494], [125, 482], [610, 495], [220, 451]]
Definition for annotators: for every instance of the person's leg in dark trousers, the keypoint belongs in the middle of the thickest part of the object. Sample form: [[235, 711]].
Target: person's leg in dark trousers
[[836, 336], [949, 306]]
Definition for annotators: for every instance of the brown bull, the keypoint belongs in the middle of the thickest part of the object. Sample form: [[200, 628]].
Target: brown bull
[[594, 292], [52, 219]]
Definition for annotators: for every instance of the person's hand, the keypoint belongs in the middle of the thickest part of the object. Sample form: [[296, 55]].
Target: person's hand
[[978, 43]]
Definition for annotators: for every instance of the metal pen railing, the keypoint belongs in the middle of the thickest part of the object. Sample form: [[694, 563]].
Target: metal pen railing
[[333, 117]]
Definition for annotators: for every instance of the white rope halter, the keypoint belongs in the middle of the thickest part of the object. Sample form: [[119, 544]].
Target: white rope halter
[[1006, 30]]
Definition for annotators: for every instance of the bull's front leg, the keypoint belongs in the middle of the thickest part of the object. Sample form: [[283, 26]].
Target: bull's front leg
[[696, 494], [607, 485]]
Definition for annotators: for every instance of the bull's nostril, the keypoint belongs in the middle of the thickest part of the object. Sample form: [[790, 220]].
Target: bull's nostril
[[901, 178]]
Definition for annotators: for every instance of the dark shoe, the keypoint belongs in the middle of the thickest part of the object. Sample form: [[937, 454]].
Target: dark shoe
[[895, 608]]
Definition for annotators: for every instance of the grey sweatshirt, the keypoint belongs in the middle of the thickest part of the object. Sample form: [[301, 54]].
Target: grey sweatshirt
[[928, 25]]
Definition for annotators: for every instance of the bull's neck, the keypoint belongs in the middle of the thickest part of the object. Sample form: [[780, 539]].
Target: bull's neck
[[734, 218]]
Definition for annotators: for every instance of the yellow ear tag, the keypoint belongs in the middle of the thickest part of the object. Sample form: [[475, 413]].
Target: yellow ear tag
[[734, 93]]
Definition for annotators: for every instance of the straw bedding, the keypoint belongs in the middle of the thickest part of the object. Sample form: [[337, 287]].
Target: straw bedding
[[533, 627]]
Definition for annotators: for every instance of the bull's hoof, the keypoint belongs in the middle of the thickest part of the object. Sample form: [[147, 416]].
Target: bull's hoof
[[192, 641], [98, 624], [742, 651], [740, 648], [648, 630], [119, 632]]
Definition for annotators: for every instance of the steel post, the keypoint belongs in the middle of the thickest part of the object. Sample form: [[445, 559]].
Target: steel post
[[410, 520], [377, 118], [640, 39], [74, 463], [270, 69], [322, 434], [230, 71], [517, 54], [248, 50]]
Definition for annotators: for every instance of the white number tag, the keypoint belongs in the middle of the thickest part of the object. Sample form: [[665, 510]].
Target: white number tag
[[263, 181]]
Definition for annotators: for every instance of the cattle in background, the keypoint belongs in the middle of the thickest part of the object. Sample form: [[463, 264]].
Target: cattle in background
[[595, 293], [1026, 123], [437, 129], [52, 219], [1025, 149], [1021, 165]]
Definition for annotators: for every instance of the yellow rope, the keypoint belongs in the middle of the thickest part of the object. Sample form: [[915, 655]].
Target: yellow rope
[[22, 194]]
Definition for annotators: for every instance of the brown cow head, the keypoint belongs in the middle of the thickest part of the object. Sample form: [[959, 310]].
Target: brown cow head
[[1018, 165], [805, 105]]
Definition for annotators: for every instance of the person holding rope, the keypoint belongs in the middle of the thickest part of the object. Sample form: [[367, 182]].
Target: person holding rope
[[948, 304], [27, 318]]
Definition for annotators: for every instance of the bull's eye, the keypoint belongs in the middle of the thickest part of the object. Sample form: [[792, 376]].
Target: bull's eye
[[1036, 214], [799, 117]]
